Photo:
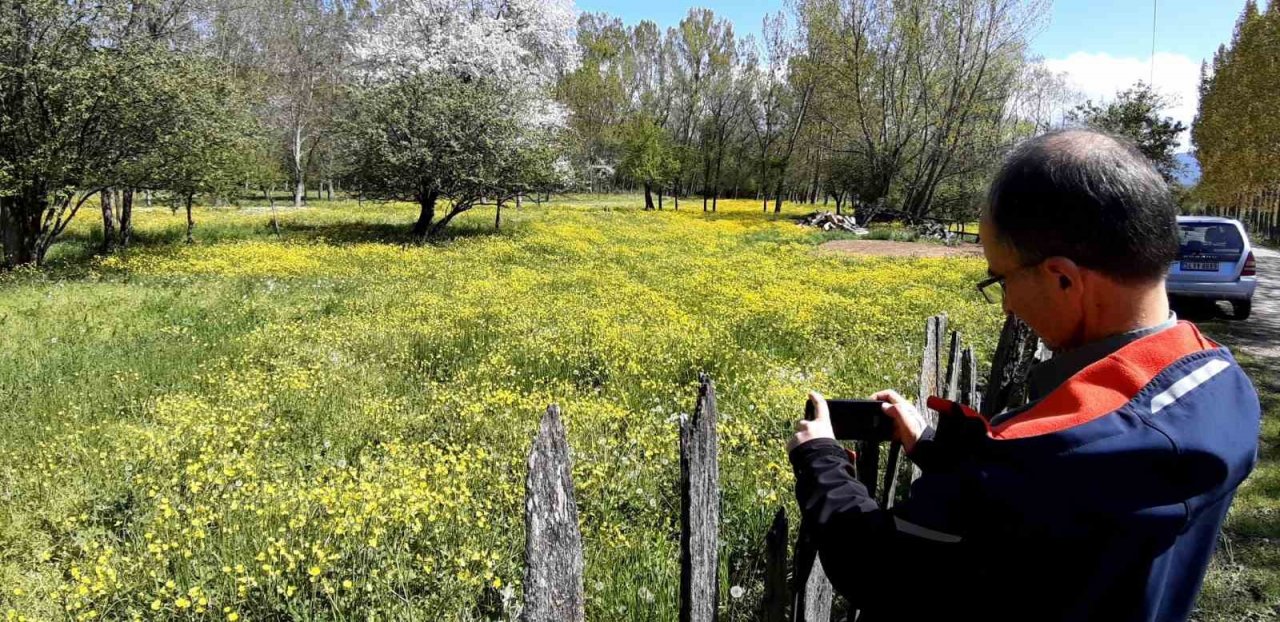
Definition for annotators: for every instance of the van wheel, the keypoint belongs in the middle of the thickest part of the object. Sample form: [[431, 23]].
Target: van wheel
[[1241, 309]]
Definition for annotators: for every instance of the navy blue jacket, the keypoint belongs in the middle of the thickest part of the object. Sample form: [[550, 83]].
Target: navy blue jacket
[[1101, 502]]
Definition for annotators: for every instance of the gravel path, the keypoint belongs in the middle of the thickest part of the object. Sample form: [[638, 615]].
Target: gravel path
[[1260, 334], [887, 248]]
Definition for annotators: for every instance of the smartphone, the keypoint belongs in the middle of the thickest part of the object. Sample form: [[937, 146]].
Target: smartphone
[[857, 420]]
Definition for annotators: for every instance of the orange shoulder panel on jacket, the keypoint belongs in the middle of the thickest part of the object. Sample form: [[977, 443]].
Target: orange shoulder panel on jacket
[[1105, 385]]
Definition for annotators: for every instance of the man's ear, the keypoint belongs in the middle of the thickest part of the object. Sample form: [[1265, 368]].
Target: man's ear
[[1065, 271]]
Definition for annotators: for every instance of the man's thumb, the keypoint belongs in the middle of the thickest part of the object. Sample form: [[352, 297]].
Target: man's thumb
[[820, 410]]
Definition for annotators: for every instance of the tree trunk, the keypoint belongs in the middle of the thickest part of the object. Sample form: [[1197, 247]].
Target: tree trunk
[[659, 197], [329, 194], [497, 218], [126, 217], [675, 194], [275, 218], [426, 199], [108, 221], [299, 182], [777, 200], [715, 187], [191, 223], [648, 196], [19, 230], [518, 202], [440, 225], [706, 178]]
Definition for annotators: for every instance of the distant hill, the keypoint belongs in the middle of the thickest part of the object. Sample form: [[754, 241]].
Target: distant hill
[[1189, 175]]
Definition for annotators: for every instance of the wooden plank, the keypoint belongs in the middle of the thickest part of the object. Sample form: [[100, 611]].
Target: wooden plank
[[553, 545], [776, 592], [968, 389], [699, 509], [952, 375], [1015, 354], [812, 591], [930, 374], [892, 467], [868, 467]]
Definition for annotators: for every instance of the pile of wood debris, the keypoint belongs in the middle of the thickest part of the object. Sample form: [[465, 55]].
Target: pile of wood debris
[[829, 221]]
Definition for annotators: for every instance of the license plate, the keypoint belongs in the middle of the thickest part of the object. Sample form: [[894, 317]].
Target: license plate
[[1200, 266]]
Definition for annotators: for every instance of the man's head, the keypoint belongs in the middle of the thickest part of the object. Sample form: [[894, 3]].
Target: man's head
[[1083, 229]]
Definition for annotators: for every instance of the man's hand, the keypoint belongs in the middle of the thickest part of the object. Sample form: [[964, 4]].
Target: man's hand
[[908, 425], [818, 427]]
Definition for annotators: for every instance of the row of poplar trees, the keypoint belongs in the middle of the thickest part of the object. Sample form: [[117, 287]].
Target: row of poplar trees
[[1237, 131]]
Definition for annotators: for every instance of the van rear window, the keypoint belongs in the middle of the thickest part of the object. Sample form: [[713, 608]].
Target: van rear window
[[1221, 240]]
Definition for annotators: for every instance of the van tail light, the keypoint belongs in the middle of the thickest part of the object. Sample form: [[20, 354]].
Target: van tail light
[[1250, 266]]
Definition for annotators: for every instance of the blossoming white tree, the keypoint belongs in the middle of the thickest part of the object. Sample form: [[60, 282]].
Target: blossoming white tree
[[495, 61], [517, 43]]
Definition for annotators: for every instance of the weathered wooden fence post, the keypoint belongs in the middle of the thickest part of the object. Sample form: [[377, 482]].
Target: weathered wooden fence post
[[699, 509], [553, 545], [1013, 358], [776, 593], [811, 593], [931, 379], [969, 380]]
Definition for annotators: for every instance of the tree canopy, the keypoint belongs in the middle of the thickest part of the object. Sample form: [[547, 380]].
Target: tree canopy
[[1137, 114], [1235, 131]]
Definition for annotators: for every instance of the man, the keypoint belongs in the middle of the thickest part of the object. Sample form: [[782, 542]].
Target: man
[[1103, 497]]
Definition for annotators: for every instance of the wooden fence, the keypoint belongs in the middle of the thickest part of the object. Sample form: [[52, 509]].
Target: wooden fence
[[553, 584]]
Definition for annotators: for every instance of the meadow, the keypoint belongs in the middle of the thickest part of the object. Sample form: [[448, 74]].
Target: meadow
[[332, 423]]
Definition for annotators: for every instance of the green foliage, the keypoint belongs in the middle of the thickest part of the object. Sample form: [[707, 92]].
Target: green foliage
[[86, 105], [1236, 128], [596, 90], [917, 95], [648, 154], [432, 136], [1136, 114], [208, 137]]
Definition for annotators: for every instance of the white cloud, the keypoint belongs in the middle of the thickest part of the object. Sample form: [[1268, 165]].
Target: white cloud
[[1100, 76]]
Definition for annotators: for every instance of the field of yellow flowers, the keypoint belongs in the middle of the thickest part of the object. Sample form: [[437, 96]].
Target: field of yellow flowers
[[332, 424]]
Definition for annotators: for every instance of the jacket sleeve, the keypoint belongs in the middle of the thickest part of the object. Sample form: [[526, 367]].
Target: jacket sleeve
[[880, 559]]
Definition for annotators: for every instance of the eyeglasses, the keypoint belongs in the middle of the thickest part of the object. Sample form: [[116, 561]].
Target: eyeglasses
[[988, 286], [992, 289]]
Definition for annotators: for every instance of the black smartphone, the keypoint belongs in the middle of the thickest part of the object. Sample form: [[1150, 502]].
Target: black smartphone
[[857, 420]]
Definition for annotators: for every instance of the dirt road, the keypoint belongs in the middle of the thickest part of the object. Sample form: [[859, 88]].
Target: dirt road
[[1260, 334]]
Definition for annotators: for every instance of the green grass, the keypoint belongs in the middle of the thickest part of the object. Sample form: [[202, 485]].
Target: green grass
[[221, 420], [332, 424], [1243, 582]]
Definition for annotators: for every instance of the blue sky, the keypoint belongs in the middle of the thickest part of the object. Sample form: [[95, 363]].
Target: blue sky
[[1192, 28], [1101, 45]]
